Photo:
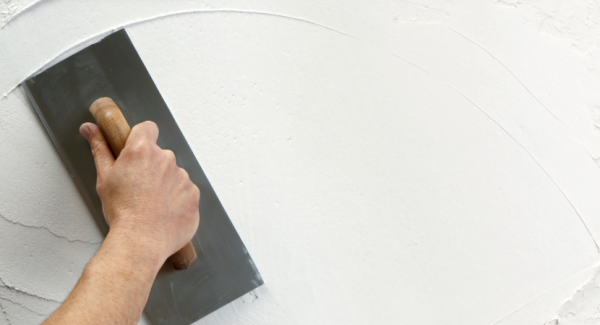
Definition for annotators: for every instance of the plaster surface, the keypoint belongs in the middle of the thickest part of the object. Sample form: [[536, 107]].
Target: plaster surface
[[420, 162]]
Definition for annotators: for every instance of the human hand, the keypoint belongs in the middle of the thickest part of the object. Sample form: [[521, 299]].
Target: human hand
[[144, 194]]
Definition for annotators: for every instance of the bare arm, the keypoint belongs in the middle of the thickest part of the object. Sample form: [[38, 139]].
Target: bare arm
[[151, 207]]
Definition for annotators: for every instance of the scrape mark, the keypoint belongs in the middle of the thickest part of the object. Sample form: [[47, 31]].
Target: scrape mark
[[27, 293], [250, 297], [4, 313], [540, 166], [9, 9], [574, 21], [511, 3], [516, 141], [509, 71], [174, 299], [583, 307], [50, 231], [554, 321], [22, 306], [98, 36], [409, 12]]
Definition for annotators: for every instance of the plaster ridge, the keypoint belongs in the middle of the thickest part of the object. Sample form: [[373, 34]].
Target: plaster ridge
[[516, 141], [23, 306], [26, 293], [8, 92], [540, 166], [596, 265], [176, 13], [48, 230], [5, 314], [515, 4], [509, 71], [424, 13], [3, 284], [553, 320]]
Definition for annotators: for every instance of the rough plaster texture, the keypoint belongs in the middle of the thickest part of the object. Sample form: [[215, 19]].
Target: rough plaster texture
[[10, 8], [385, 162]]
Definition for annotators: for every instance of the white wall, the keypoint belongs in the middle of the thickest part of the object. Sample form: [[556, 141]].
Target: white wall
[[385, 162]]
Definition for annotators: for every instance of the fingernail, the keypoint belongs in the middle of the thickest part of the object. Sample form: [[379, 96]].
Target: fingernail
[[85, 131]]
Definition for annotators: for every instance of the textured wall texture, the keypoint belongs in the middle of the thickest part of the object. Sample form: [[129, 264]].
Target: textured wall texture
[[385, 162]]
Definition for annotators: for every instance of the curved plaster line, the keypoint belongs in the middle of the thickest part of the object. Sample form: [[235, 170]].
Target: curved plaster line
[[176, 13], [515, 140], [509, 71], [500, 126], [546, 108], [522, 84], [194, 11], [539, 165]]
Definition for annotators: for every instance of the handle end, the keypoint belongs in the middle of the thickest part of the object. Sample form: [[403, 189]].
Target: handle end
[[100, 103], [184, 258]]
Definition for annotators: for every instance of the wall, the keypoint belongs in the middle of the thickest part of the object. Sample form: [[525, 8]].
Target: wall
[[385, 162]]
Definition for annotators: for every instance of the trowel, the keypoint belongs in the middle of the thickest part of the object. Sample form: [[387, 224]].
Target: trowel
[[111, 68]]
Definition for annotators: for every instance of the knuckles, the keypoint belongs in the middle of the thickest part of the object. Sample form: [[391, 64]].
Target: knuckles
[[170, 157], [196, 193], [139, 148], [99, 188], [96, 147], [145, 126], [184, 174]]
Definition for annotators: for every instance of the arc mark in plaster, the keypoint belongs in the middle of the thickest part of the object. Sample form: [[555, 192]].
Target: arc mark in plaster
[[183, 12], [540, 166], [546, 108], [174, 298], [514, 139], [509, 71], [522, 84], [27, 293], [50, 231]]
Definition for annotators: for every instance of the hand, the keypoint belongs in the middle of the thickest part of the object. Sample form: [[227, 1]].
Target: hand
[[144, 194]]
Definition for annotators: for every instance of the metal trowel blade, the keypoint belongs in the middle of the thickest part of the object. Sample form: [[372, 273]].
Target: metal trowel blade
[[61, 96]]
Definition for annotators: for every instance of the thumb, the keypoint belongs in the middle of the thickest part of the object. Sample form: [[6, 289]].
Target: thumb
[[103, 156]]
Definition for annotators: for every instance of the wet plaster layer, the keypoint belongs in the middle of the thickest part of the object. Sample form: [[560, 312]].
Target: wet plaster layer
[[424, 162]]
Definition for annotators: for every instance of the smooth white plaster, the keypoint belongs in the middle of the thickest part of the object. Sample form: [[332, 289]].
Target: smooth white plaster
[[385, 162]]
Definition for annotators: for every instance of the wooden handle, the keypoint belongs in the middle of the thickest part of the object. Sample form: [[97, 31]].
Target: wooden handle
[[115, 128]]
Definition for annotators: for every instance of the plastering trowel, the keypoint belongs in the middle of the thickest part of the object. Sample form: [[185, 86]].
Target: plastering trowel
[[62, 95]]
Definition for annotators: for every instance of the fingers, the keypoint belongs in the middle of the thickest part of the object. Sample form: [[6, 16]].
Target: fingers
[[103, 156], [145, 131]]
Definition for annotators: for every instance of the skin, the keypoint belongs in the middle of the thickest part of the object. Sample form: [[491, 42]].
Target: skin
[[151, 207]]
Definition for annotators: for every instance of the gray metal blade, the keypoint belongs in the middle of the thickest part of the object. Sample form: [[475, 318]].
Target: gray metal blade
[[62, 95]]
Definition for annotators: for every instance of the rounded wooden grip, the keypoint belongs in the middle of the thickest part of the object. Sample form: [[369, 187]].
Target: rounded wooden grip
[[116, 130]]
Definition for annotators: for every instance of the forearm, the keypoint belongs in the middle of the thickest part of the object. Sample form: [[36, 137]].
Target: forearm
[[151, 206], [115, 284]]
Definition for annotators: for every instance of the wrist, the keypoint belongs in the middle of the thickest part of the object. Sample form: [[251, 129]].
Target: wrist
[[131, 251]]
